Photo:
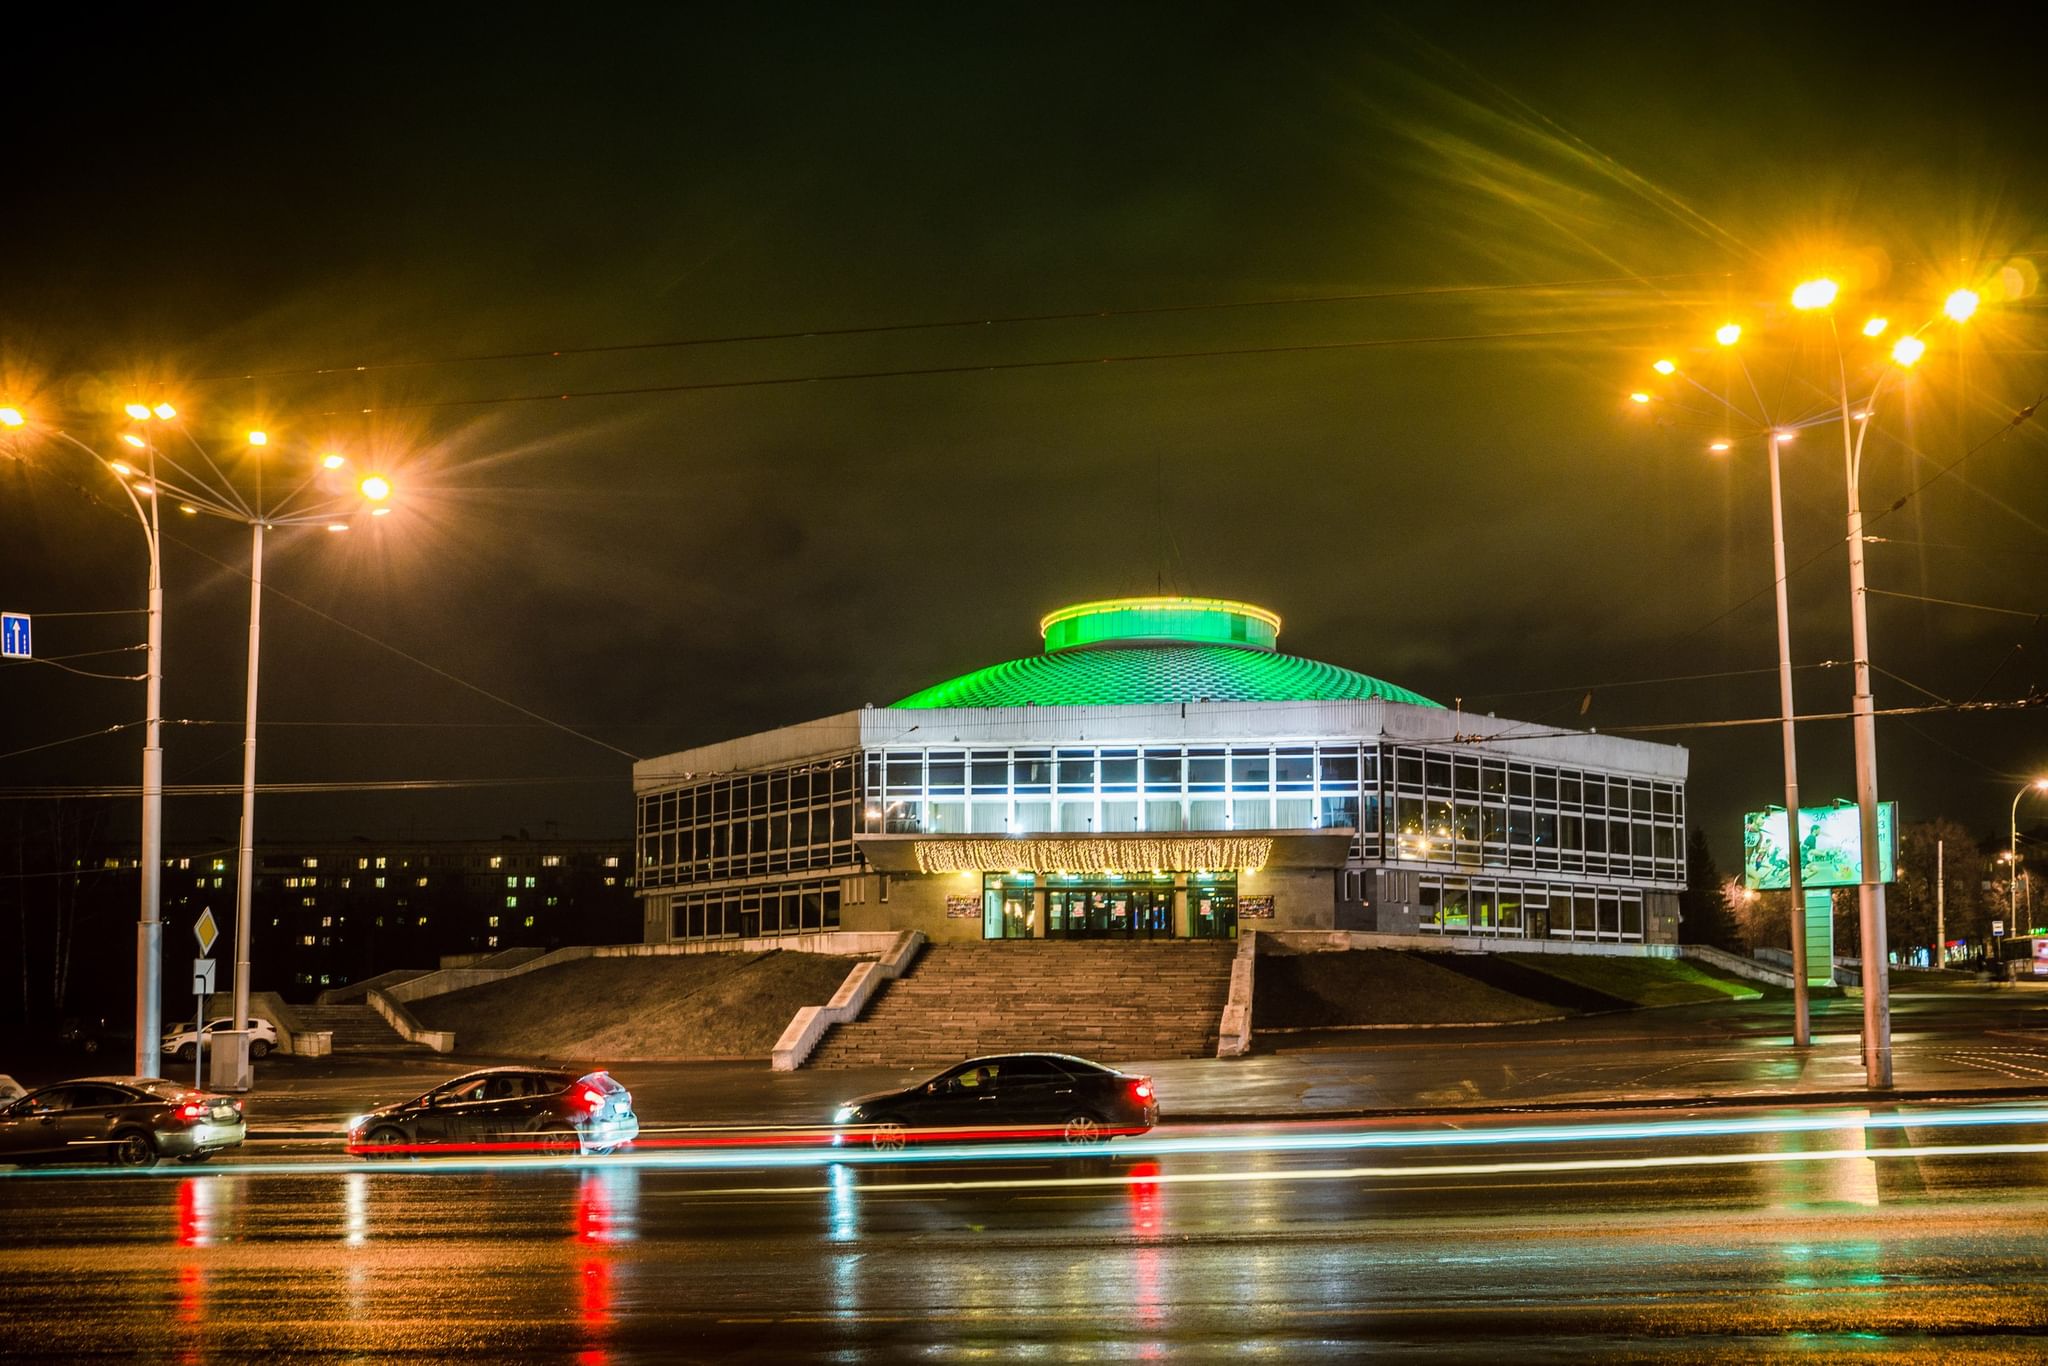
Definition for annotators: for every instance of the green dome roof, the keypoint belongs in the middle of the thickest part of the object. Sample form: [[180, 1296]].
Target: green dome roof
[[1158, 650]]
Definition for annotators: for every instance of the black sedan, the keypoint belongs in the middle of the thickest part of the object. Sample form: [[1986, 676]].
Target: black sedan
[[1014, 1095], [129, 1121], [503, 1109]]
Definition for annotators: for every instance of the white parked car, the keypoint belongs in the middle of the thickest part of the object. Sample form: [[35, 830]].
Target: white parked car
[[185, 1042]]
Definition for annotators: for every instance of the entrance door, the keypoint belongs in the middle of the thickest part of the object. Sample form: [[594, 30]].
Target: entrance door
[[1120, 912]]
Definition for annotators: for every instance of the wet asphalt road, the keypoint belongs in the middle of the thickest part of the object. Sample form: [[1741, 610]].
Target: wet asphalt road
[[1673, 1244]]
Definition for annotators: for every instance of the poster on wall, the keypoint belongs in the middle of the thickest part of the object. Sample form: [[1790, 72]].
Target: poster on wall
[[1255, 908], [963, 908], [1831, 847]]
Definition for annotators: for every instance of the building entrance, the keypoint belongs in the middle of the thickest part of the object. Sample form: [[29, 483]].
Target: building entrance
[[1116, 912]]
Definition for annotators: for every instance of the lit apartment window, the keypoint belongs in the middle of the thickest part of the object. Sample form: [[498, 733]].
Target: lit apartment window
[[362, 863], [199, 881], [326, 922], [220, 865], [529, 922], [497, 862], [511, 881], [554, 901], [511, 901], [380, 882], [216, 882], [611, 882], [422, 882], [380, 860], [551, 860], [493, 922], [308, 940], [184, 863], [612, 861], [309, 863], [529, 882], [492, 942]]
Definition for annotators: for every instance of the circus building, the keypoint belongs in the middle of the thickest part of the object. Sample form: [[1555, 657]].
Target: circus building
[[1161, 769]]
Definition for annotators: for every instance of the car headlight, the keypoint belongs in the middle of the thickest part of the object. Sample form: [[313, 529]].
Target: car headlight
[[846, 1114], [356, 1122]]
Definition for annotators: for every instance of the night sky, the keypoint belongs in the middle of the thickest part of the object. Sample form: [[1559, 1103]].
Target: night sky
[[352, 213]]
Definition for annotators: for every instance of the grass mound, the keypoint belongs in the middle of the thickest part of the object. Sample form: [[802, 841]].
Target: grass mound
[[709, 1005], [1629, 982], [1377, 986]]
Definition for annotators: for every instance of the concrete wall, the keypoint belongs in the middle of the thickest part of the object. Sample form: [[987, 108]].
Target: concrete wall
[[808, 1026], [268, 1005], [1322, 941]]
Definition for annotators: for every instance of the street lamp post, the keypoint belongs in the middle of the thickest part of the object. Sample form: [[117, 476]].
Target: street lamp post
[[1802, 1028], [149, 917], [2012, 892]]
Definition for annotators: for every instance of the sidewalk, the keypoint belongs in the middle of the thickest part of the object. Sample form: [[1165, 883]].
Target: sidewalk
[[1945, 1044]]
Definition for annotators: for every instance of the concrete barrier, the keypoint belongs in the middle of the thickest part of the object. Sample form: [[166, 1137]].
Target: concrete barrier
[[1737, 964], [1234, 1034], [411, 1030], [809, 1024]]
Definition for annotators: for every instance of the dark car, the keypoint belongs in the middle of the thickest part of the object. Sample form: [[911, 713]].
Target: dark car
[[129, 1121], [1014, 1095], [513, 1109]]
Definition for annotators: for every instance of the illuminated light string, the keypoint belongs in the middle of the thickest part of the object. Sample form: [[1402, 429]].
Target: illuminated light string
[[1102, 854], [724, 1157]]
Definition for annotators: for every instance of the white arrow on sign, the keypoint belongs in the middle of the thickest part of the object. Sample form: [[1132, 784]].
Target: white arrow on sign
[[205, 931]]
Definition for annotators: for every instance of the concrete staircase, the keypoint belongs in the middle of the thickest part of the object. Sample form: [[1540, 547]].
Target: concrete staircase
[[1107, 1001], [356, 1028]]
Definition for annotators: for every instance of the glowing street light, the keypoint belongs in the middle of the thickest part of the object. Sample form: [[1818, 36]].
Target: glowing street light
[[259, 438], [166, 411], [1960, 305], [1719, 447], [332, 461], [138, 411], [1666, 367], [2013, 879], [132, 439], [1637, 397], [1728, 333], [11, 417], [377, 488], [1810, 294], [1908, 350], [1876, 326]]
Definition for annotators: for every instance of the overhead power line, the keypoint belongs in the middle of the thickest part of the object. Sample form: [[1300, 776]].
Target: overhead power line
[[999, 320]]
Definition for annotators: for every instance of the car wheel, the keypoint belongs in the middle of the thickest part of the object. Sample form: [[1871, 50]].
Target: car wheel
[[259, 1048], [1082, 1130], [560, 1141], [888, 1137], [133, 1148], [188, 1052], [384, 1142]]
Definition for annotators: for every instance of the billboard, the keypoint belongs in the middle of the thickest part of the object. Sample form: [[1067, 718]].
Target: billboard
[[1830, 839]]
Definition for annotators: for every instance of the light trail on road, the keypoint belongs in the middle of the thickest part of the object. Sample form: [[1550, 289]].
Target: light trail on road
[[719, 1152]]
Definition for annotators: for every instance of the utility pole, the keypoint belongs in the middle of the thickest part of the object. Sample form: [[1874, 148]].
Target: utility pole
[[1940, 900]]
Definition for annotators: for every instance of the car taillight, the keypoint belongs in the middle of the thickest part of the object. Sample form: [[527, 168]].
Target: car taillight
[[1142, 1088], [191, 1109], [593, 1101]]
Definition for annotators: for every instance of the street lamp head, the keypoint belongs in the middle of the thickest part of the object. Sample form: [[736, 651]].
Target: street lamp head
[[11, 417], [259, 438], [1639, 397], [188, 509], [1666, 367], [376, 488], [337, 526], [138, 411], [165, 411], [146, 490], [332, 461], [1719, 448], [1728, 333], [1876, 326], [1908, 350], [117, 467], [1810, 294], [380, 512], [132, 439], [2041, 784], [1786, 435], [1960, 305]]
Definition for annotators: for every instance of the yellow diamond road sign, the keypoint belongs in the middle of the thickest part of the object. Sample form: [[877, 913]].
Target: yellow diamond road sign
[[205, 931]]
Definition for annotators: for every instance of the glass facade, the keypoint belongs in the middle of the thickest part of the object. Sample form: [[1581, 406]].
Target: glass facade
[[1467, 819], [1130, 906]]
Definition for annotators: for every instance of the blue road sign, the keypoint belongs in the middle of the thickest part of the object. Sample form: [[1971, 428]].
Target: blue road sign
[[14, 638]]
